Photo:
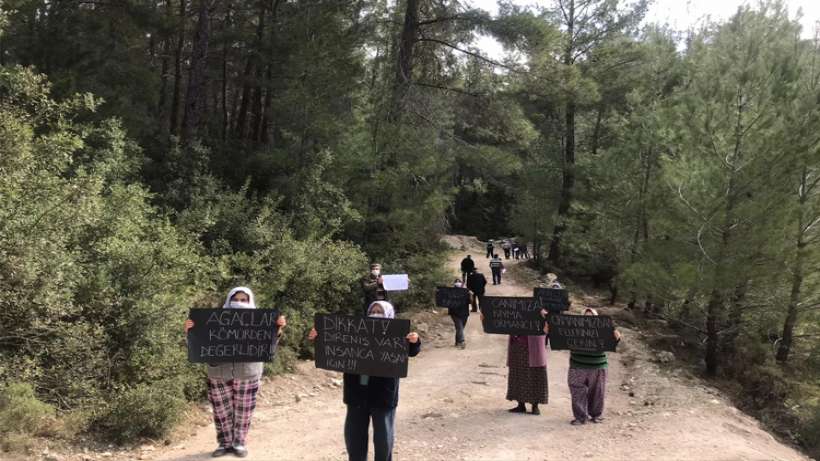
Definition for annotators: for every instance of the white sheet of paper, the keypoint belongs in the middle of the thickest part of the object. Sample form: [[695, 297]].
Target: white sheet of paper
[[396, 282]]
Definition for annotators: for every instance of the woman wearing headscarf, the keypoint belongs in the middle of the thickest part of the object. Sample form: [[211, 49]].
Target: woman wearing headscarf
[[372, 398], [232, 387], [587, 381]]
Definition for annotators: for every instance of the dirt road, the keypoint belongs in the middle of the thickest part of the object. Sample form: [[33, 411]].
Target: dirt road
[[452, 407]]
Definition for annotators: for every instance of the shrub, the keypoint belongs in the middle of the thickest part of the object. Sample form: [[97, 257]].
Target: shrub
[[21, 412], [143, 410]]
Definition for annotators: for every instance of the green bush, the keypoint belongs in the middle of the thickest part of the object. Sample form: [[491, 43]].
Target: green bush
[[21, 412], [143, 410], [810, 432]]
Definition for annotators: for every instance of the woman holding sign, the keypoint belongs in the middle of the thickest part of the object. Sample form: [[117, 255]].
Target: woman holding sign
[[587, 381], [232, 387], [372, 398]]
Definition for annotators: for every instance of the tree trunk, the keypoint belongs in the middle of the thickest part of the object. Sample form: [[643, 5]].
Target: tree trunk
[[173, 123], [568, 177], [785, 346], [249, 86], [404, 66], [195, 99]]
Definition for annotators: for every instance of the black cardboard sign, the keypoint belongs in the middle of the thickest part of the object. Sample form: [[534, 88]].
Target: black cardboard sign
[[582, 333], [551, 299], [362, 345], [506, 315], [452, 297], [232, 335]]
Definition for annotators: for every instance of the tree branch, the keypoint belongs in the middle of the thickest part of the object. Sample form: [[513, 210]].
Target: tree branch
[[475, 55], [447, 88]]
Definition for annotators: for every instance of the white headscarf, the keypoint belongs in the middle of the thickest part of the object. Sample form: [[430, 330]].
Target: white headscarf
[[389, 311], [246, 290]]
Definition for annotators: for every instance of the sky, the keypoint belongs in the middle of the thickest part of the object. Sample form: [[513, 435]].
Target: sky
[[679, 14]]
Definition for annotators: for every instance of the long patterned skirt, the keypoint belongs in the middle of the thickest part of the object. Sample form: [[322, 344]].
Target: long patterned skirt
[[524, 383], [233, 403]]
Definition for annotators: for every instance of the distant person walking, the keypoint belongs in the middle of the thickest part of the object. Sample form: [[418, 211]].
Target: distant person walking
[[525, 252], [490, 248], [460, 316], [476, 283], [496, 266], [467, 267], [507, 247]]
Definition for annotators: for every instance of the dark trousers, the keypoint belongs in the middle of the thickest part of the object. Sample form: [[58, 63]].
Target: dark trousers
[[357, 423], [477, 301], [464, 276], [460, 323], [506, 253], [496, 276], [489, 252]]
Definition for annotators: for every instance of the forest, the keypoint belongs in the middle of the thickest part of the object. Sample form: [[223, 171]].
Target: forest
[[154, 153]]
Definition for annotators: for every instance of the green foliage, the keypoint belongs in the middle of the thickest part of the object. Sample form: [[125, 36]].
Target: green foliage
[[143, 410], [21, 412]]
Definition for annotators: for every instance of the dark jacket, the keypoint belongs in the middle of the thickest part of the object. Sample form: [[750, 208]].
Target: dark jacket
[[379, 392], [476, 283], [467, 265], [373, 290]]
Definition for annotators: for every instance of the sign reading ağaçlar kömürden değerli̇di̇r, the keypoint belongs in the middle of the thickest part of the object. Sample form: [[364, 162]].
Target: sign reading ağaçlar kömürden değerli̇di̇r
[[232, 335]]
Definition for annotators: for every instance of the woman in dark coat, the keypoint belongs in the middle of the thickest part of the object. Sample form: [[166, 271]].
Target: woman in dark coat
[[372, 398]]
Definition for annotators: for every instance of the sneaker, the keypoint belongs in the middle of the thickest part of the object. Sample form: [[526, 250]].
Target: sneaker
[[536, 411], [577, 422], [597, 419], [240, 451], [221, 451], [461, 345]]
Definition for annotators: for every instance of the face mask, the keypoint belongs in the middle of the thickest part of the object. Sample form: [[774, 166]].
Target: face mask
[[377, 315], [376, 272], [239, 305], [458, 285]]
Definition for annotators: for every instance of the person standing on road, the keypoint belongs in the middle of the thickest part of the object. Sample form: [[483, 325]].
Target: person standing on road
[[490, 248], [372, 398], [467, 267], [476, 283], [527, 378], [587, 381], [232, 386], [496, 266], [507, 247]]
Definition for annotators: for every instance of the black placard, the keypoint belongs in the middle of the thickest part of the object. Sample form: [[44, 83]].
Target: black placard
[[582, 333], [512, 316], [232, 335], [452, 297], [551, 299], [362, 345]]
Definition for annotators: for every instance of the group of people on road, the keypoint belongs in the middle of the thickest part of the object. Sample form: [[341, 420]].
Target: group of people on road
[[511, 248], [527, 380], [232, 387]]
